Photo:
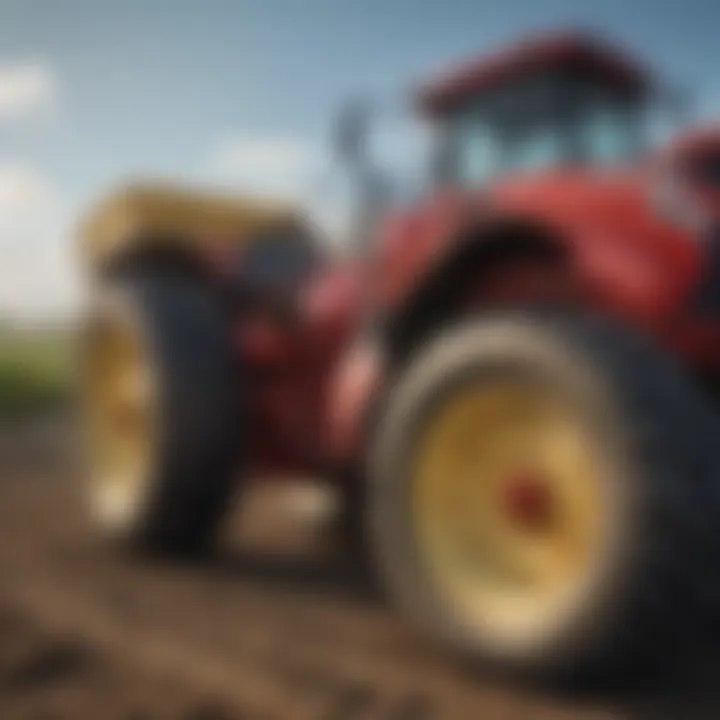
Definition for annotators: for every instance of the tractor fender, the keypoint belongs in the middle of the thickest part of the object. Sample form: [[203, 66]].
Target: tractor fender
[[468, 261], [636, 275], [367, 366], [487, 264], [170, 223]]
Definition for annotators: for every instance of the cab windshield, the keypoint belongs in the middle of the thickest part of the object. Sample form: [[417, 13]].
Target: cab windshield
[[539, 123]]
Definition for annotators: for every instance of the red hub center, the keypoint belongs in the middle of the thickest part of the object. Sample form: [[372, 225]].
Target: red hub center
[[527, 501]]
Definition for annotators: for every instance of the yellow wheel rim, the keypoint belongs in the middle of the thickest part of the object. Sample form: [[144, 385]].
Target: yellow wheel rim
[[507, 504], [119, 417]]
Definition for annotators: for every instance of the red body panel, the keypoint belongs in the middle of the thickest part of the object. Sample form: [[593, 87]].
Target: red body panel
[[290, 365]]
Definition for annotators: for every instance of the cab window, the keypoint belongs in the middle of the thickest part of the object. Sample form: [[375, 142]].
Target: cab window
[[537, 123]]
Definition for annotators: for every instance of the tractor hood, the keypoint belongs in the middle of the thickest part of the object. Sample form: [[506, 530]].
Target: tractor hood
[[644, 210], [614, 199], [571, 200], [629, 204]]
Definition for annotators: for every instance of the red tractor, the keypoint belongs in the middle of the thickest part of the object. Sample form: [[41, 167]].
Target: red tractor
[[514, 386]]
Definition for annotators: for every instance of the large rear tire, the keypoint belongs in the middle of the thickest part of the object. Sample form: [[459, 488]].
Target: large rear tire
[[625, 453], [161, 400]]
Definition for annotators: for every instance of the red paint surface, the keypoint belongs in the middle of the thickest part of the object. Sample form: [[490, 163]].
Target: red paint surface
[[290, 364], [625, 254]]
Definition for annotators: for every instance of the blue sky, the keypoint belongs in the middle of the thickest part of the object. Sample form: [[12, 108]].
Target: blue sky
[[240, 93]]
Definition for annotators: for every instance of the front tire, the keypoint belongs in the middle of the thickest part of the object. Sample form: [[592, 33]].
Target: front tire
[[161, 409], [622, 448]]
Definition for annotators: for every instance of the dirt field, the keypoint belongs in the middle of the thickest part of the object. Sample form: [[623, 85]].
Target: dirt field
[[279, 626]]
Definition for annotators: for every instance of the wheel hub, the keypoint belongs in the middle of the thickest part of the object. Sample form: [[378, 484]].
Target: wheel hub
[[527, 501], [119, 417], [506, 501]]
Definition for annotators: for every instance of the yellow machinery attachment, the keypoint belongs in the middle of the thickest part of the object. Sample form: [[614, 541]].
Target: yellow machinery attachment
[[137, 216]]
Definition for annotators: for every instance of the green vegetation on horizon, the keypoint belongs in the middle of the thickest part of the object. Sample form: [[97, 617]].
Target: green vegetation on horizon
[[35, 371]]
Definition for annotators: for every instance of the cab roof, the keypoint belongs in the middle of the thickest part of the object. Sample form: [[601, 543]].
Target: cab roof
[[548, 51]]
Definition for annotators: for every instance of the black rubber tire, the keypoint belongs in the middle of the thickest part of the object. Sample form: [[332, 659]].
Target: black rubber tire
[[188, 340], [347, 527], [658, 589]]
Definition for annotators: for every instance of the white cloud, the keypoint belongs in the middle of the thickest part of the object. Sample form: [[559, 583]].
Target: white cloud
[[37, 277], [25, 195], [266, 165], [39, 280], [25, 87]]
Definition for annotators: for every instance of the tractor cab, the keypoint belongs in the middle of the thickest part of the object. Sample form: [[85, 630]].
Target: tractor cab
[[542, 104]]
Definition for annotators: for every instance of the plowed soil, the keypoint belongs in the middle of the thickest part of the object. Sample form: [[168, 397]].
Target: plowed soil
[[281, 624]]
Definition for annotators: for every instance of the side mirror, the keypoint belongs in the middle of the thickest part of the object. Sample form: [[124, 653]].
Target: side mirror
[[351, 133]]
